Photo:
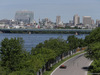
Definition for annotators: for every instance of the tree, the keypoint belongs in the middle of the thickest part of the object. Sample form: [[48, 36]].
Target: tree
[[93, 37], [95, 66], [73, 42], [12, 53], [81, 43], [58, 45], [35, 63], [93, 51], [47, 54], [40, 57]]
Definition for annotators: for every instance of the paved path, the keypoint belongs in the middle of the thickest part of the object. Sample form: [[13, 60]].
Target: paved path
[[75, 66]]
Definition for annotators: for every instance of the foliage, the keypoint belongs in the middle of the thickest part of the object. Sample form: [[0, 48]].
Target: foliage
[[16, 61], [74, 42], [93, 51], [95, 66], [49, 31], [93, 37], [81, 43], [34, 63], [57, 45], [50, 49], [47, 54], [22, 72], [12, 55], [41, 57]]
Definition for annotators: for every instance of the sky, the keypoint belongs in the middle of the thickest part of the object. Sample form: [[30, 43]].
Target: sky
[[51, 8]]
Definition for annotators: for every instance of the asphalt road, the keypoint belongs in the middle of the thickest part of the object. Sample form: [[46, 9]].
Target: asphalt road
[[75, 66]]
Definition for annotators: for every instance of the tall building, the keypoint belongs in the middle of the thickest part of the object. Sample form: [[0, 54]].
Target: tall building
[[76, 19], [87, 20], [46, 21], [92, 22], [97, 22], [24, 16], [58, 20]]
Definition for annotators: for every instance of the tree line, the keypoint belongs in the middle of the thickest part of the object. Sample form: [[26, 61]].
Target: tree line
[[93, 51], [15, 60], [45, 32]]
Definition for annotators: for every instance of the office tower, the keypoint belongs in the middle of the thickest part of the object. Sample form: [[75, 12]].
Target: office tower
[[87, 20], [24, 16], [46, 21], [58, 20], [92, 22], [97, 22], [76, 19]]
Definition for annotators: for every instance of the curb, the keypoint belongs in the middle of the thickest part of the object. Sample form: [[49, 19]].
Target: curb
[[64, 62], [86, 73]]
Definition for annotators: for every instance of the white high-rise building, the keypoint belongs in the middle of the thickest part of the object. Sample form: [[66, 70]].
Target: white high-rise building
[[87, 20], [58, 20], [76, 19]]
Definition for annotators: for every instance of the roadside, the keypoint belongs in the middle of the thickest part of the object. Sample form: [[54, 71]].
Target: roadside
[[61, 62], [88, 72]]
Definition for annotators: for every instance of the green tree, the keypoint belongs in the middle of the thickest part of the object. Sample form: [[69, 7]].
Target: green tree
[[93, 37], [47, 54], [53, 44], [73, 42], [93, 51], [12, 53], [81, 43], [58, 45], [95, 66], [35, 63]]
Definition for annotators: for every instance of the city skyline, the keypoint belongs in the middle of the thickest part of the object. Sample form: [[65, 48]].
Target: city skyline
[[51, 8], [24, 16]]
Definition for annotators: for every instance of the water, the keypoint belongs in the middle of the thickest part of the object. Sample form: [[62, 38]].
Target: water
[[31, 40]]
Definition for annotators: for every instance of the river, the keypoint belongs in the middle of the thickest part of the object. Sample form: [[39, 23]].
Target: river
[[31, 40]]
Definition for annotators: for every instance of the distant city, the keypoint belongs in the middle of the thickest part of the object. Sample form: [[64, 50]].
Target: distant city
[[25, 20]]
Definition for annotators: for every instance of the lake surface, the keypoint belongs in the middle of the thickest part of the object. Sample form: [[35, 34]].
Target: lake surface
[[31, 40]]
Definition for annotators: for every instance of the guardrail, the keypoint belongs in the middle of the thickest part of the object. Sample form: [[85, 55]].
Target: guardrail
[[59, 58]]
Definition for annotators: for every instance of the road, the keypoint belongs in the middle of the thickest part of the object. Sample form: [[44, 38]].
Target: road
[[75, 66]]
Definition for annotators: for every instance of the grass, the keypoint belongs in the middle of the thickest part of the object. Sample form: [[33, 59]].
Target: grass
[[56, 65]]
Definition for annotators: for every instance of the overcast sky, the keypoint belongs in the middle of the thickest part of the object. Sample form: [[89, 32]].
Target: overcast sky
[[51, 8]]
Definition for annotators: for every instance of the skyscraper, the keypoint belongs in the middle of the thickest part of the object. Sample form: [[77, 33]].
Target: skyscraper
[[87, 20], [97, 22], [58, 20], [76, 19], [92, 22], [24, 16]]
